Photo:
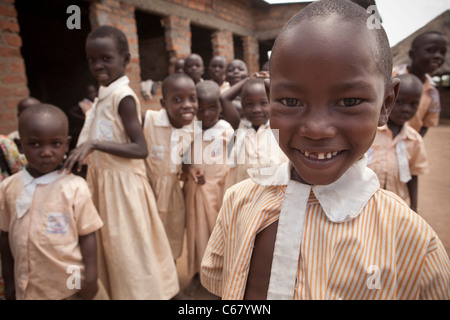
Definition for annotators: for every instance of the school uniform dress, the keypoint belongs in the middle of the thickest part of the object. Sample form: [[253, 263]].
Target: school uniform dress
[[346, 240], [203, 202], [252, 149], [167, 146], [134, 254], [45, 217], [427, 114], [395, 160]]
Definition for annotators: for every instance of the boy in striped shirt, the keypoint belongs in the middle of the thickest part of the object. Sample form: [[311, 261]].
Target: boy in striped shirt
[[320, 227]]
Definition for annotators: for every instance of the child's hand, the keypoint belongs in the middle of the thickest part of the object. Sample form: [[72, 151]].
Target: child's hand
[[261, 75], [88, 290], [197, 175], [77, 155]]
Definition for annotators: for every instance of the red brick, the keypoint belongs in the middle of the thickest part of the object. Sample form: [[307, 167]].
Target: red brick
[[13, 79], [12, 39], [8, 11]]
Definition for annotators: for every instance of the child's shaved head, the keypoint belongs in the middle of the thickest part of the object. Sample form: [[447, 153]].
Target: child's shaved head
[[40, 112], [348, 11]]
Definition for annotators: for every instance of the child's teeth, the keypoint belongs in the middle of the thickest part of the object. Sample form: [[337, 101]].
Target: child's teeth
[[328, 155], [320, 156], [334, 153], [306, 153]]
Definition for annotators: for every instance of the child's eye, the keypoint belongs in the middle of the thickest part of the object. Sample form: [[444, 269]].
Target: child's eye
[[291, 102], [349, 102], [193, 99], [106, 59]]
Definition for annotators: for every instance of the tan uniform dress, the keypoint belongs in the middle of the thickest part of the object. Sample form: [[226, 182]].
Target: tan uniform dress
[[166, 146], [203, 202], [134, 258]]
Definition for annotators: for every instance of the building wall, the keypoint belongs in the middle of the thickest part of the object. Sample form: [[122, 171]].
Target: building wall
[[250, 20]]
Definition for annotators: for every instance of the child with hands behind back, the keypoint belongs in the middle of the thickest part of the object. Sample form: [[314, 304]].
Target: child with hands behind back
[[47, 220], [134, 261], [320, 226]]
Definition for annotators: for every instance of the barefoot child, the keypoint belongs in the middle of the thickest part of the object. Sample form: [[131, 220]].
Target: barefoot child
[[169, 134], [205, 185], [47, 219], [320, 227], [398, 153], [134, 260]]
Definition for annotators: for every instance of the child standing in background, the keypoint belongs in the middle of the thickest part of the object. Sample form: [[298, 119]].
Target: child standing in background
[[47, 219], [398, 153], [427, 54], [208, 170], [236, 72], [216, 68], [169, 134], [194, 67], [255, 144], [134, 254]]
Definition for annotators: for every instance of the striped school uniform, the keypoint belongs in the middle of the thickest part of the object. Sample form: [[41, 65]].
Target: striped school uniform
[[346, 240]]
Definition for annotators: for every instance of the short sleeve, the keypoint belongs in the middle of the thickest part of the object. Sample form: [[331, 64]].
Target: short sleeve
[[435, 277], [418, 163]]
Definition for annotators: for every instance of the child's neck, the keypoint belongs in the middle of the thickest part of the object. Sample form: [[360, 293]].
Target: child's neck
[[395, 128], [418, 73]]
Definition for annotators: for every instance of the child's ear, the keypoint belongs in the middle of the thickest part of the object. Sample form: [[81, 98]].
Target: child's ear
[[19, 145], [389, 101], [267, 87], [163, 103], [69, 138], [127, 58]]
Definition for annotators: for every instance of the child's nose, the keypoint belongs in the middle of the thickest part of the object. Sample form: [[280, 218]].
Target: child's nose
[[317, 125], [46, 152]]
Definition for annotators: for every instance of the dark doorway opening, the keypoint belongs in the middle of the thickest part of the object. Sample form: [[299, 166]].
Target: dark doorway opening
[[264, 47], [201, 44], [154, 58], [238, 47], [55, 60]]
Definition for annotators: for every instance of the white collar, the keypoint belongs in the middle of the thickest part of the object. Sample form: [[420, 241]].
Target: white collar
[[342, 200], [162, 120], [103, 92], [24, 200]]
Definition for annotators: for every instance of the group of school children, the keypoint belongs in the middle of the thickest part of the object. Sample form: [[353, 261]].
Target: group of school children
[[279, 209]]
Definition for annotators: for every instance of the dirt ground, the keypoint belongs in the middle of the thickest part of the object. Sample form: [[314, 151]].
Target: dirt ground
[[433, 201]]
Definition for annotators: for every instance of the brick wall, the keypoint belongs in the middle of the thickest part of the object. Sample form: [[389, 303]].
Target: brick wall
[[13, 80]]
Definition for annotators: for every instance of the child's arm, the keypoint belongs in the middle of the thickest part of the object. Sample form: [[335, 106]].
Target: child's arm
[[229, 111], [412, 189], [136, 149], [7, 266], [88, 247]]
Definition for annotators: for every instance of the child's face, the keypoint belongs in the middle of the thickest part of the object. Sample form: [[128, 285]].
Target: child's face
[[217, 69], [180, 101], [179, 66], [255, 104], [236, 71], [406, 105], [194, 68], [327, 97], [208, 110], [429, 53], [105, 62], [44, 142]]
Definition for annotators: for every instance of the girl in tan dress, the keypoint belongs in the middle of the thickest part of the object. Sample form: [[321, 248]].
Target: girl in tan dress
[[169, 133], [134, 253], [205, 185]]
